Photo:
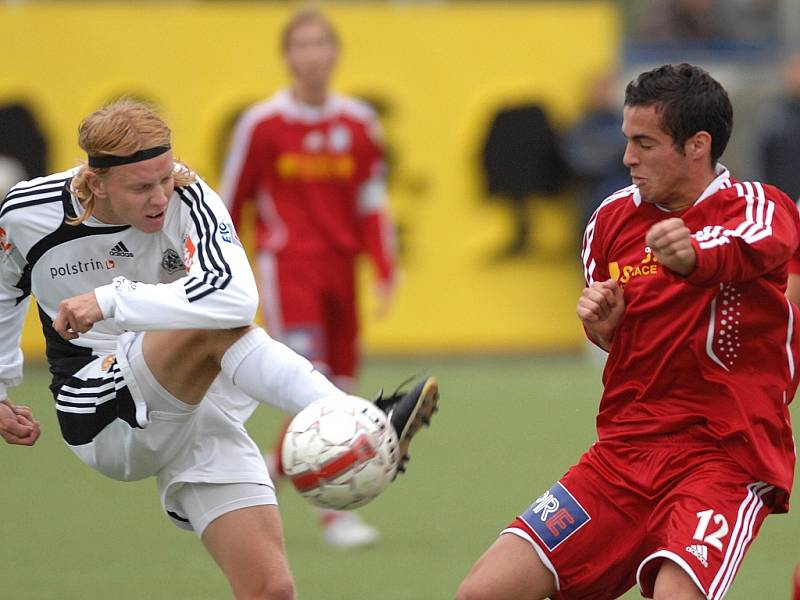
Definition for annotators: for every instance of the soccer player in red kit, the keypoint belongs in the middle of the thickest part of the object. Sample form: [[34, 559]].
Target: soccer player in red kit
[[312, 162], [685, 277]]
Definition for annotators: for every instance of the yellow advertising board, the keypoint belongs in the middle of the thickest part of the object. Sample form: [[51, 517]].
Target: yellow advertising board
[[439, 71]]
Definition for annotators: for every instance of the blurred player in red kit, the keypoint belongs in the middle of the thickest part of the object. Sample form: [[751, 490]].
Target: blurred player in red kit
[[312, 162], [685, 271]]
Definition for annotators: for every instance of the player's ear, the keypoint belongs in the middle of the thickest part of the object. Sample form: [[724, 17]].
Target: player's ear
[[699, 145], [96, 184]]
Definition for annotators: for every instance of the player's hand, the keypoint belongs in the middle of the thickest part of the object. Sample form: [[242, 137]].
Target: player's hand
[[77, 315], [17, 425], [384, 292], [600, 309], [671, 243]]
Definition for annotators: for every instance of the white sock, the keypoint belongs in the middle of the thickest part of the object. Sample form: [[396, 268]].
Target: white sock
[[270, 372]]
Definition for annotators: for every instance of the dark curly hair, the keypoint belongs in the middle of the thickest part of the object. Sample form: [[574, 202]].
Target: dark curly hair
[[689, 100]]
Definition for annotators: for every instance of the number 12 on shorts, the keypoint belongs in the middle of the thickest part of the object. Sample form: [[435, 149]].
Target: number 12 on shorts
[[714, 538]]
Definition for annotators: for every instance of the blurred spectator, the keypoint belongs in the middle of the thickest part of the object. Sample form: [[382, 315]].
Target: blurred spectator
[[656, 21], [23, 149], [11, 173], [667, 20], [778, 134], [593, 147], [762, 19], [520, 159]]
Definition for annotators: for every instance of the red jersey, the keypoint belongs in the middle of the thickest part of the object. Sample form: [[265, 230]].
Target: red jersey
[[317, 175], [718, 348]]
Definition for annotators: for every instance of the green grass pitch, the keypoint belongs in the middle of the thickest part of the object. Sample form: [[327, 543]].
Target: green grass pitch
[[507, 428]]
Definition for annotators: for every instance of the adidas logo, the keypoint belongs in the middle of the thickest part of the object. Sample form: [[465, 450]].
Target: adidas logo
[[120, 249], [700, 551]]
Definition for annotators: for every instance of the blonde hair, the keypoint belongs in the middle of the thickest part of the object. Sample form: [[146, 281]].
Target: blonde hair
[[120, 128], [305, 17]]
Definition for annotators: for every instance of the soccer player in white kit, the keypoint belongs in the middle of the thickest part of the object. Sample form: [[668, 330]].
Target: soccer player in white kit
[[146, 300]]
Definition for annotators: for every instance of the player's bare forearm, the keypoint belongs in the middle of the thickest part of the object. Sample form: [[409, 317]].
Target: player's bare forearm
[[17, 425], [600, 309], [671, 243]]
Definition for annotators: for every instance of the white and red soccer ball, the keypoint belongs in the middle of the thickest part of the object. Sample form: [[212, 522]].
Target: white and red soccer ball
[[340, 452]]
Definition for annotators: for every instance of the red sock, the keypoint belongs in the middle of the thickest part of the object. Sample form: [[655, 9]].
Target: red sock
[[326, 517]]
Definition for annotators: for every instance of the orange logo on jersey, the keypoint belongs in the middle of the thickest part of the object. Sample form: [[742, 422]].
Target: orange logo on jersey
[[622, 275], [108, 360], [315, 167], [4, 245], [188, 253]]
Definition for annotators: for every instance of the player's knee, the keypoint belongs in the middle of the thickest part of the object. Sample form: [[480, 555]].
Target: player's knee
[[280, 588], [273, 587]]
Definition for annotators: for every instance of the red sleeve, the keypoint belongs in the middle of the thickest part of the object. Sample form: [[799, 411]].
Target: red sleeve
[[377, 233], [244, 167], [759, 233], [375, 223], [595, 264]]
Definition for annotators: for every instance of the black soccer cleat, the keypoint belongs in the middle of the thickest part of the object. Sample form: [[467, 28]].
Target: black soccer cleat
[[408, 411]]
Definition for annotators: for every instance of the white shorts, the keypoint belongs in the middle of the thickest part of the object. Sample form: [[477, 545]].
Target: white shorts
[[201, 503], [120, 421]]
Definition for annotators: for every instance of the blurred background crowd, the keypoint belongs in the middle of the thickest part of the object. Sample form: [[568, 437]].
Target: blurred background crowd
[[501, 122]]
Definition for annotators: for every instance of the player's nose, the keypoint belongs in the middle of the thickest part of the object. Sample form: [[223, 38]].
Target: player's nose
[[629, 159], [159, 198]]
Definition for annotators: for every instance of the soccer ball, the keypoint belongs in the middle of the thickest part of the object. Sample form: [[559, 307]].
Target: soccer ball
[[340, 452]]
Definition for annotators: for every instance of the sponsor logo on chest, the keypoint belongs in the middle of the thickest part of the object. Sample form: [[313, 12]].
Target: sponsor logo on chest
[[4, 245], [120, 249], [323, 156], [80, 267], [624, 273], [171, 262]]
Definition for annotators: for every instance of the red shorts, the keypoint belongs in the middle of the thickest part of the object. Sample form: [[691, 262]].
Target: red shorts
[[625, 507], [309, 303]]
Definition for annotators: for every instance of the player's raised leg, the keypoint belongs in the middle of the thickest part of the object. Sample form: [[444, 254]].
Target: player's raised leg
[[509, 570], [185, 362]]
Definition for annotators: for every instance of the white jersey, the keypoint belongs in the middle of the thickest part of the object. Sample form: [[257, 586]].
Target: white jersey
[[193, 273]]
